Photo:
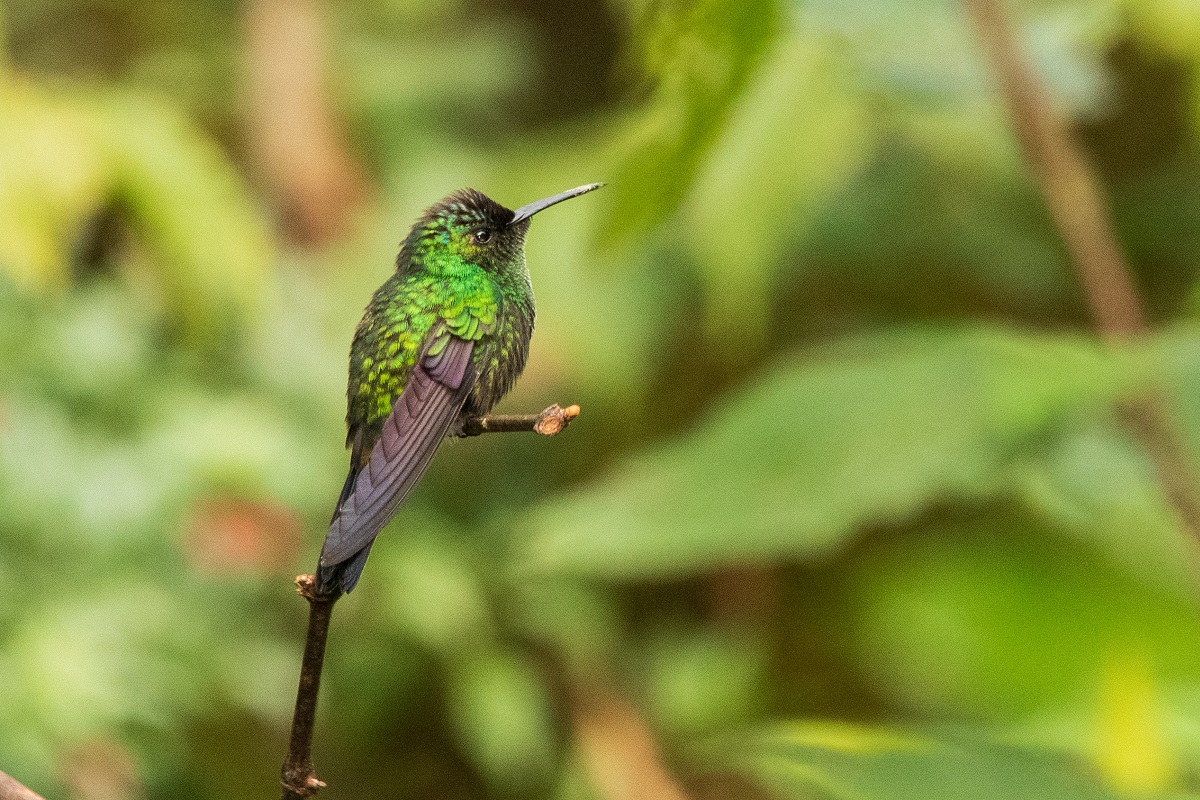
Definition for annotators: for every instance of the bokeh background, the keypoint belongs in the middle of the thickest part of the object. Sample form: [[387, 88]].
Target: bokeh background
[[850, 511]]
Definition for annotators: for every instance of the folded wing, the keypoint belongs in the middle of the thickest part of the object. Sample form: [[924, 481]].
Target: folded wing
[[421, 417]]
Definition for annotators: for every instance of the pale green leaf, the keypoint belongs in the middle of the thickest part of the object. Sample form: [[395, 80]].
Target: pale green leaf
[[837, 761], [823, 447], [772, 167], [701, 56]]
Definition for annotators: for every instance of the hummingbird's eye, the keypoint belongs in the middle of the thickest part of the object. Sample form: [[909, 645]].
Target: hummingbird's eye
[[483, 236]]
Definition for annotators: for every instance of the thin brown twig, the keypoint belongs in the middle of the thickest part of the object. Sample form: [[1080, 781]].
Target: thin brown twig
[[298, 776], [12, 789], [1080, 211], [548, 422], [1068, 183]]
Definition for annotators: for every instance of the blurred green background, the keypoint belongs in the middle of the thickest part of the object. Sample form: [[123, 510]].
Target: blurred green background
[[850, 512]]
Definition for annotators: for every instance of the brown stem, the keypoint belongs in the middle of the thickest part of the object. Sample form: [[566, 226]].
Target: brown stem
[[1067, 181], [294, 130], [550, 421], [1080, 211], [12, 789], [298, 775]]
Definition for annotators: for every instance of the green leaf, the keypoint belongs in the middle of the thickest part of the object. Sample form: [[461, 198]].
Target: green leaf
[[212, 245], [503, 715], [431, 590], [575, 621], [701, 56], [1133, 751], [1098, 483], [699, 682], [944, 214], [772, 168], [1007, 620], [53, 173], [1178, 353], [869, 434], [1065, 42], [1170, 25], [836, 761]]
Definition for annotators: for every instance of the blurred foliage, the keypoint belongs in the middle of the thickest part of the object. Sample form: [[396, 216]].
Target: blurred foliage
[[197, 247], [776, 464], [835, 761], [850, 512]]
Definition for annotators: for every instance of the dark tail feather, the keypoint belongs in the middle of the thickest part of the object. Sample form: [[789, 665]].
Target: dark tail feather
[[342, 578]]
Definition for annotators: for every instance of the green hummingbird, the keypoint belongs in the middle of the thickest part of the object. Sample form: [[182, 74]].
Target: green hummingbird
[[442, 340]]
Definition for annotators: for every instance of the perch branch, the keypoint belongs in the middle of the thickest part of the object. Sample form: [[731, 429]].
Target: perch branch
[[298, 776], [550, 421], [12, 789], [1080, 211]]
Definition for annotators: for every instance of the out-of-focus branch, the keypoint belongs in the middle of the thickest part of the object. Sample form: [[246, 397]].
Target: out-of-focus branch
[[12, 789], [1080, 211], [298, 776], [619, 752], [1068, 184], [294, 128]]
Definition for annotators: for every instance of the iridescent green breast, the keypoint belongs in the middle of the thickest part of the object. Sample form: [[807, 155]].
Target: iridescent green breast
[[501, 356]]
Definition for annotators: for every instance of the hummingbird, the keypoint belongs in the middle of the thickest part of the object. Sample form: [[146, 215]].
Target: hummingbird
[[442, 340]]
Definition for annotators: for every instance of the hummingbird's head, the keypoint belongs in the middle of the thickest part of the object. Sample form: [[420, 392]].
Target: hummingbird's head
[[468, 225], [475, 228]]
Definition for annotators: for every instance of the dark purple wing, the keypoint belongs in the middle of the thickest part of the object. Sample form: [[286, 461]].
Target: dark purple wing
[[421, 417]]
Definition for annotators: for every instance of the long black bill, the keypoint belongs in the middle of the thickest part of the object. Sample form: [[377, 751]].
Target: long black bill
[[527, 211]]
